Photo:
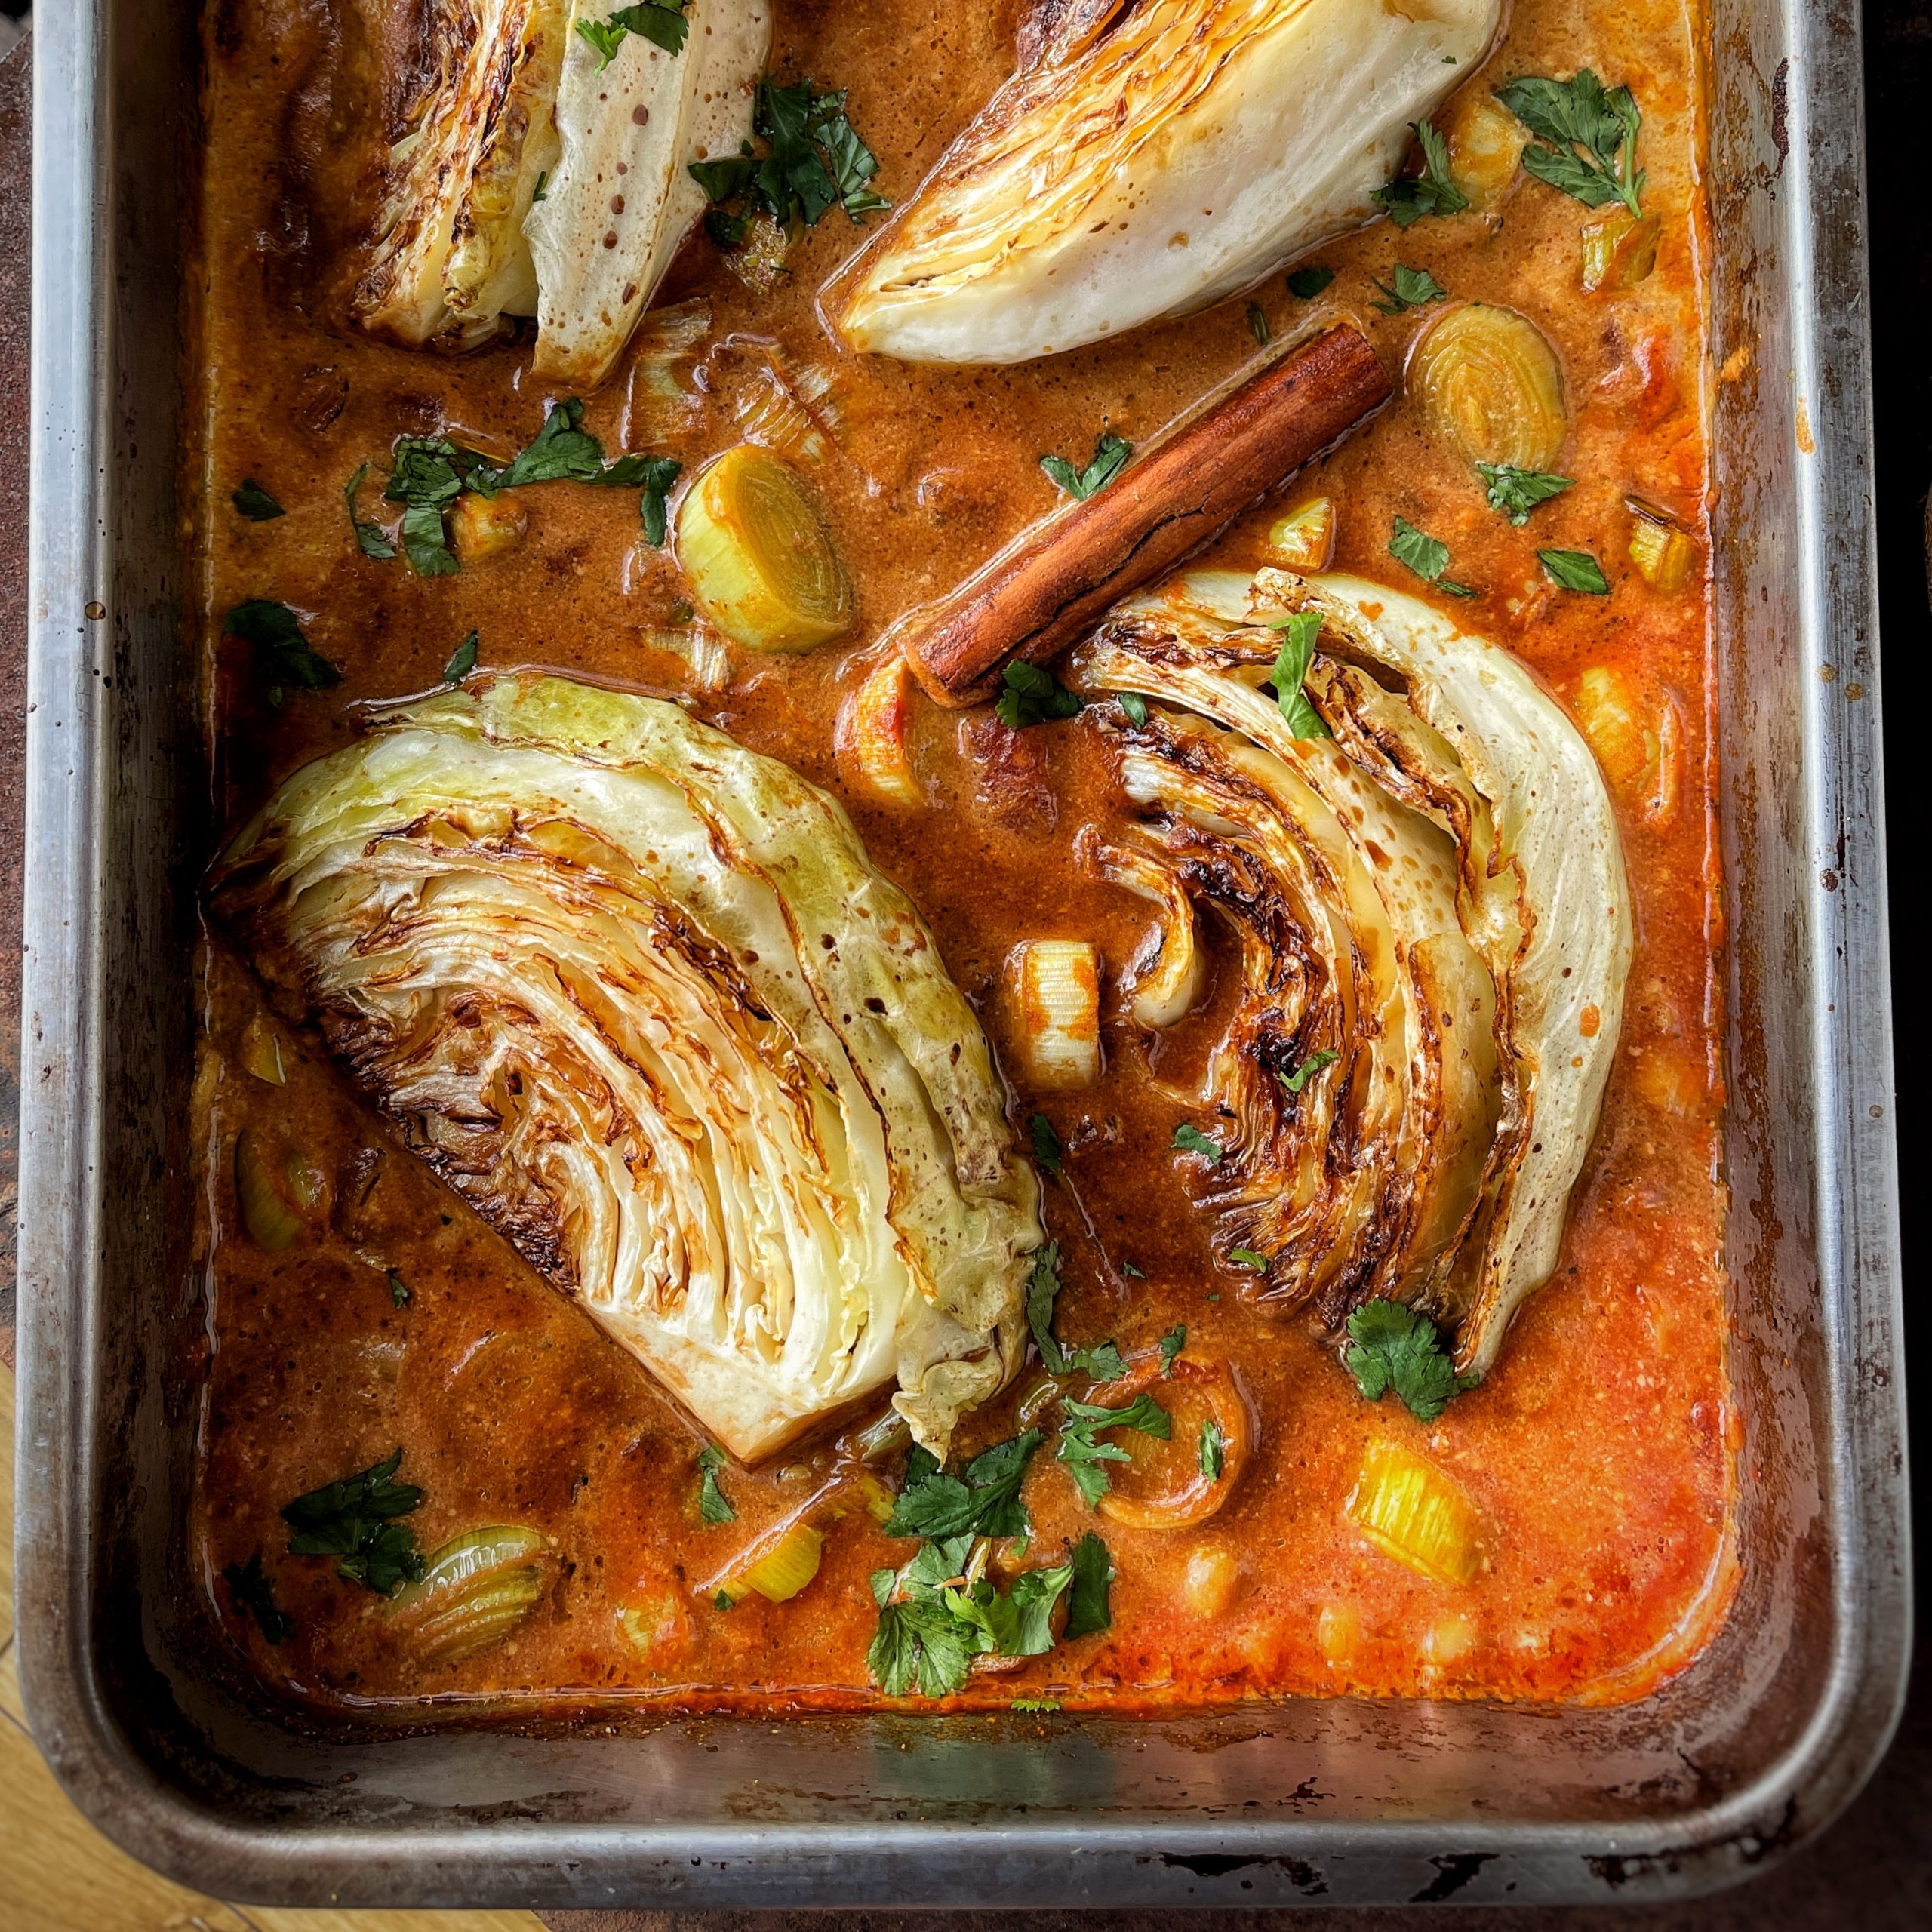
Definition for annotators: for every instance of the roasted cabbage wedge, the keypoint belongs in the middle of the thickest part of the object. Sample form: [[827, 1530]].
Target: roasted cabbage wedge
[[1434, 932], [537, 178], [638, 996], [1151, 157]]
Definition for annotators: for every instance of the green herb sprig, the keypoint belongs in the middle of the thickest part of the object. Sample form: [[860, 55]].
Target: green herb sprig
[[353, 1518], [1109, 458], [1409, 197]]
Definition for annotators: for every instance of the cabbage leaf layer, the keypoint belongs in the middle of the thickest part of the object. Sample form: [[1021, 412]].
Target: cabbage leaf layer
[[1435, 930], [638, 993]]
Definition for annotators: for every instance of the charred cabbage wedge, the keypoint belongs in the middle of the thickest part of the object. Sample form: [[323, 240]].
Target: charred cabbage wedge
[[638, 995], [1435, 927], [538, 178], [1152, 157]]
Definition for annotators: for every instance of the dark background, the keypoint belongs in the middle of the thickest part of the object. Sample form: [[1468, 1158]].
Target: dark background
[[1874, 1868]]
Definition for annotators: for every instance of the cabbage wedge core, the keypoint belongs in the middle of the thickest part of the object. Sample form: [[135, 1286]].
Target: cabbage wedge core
[[1152, 158], [638, 996], [1435, 930]]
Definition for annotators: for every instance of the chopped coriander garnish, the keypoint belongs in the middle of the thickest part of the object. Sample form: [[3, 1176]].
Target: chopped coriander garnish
[[282, 653], [1171, 1344], [1257, 323], [1214, 1449], [1134, 708], [255, 1594], [399, 1293], [714, 1506], [1047, 1149], [1034, 696], [658, 475], [1305, 285], [1408, 198], [1426, 555], [255, 503], [1189, 1139], [562, 451], [983, 1500], [1102, 1364], [1249, 1258], [1088, 1611], [1586, 137], [1393, 1347], [1086, 1456], [351, 1519], [1299, 634], [370, 537], [936, 1614], [1408, 288], [1295, 1082], [815, 161], [1516, 492], [1110, 455], [463, 661], [1575, 569], [723, 1600], [1127, 1268], [660, 22], [1030, 1705]]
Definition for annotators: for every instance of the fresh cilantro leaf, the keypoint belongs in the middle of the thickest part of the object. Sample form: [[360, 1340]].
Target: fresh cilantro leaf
[[1086, 1456], [255, 503], [1189, 1139], [350, 1519], [1299, 634], [1133, 1273], [425, 544], [1030, 1705], [714, 1506], [1305, 285], [1171, 1344], [255, 1594], [282, 653], [1214, 1449], [1017, 1624], [1110, 455], [1134, 708], [1034, 696], [1575, 569], [1586, 137], [423, 472], [1408, 288], [370, 537], [1408, 198], [660, 22], [463, 661], [1088, 1611], [1103, 1364], [723, 1600], [814, 161], [1393, 1347], [1516, 492], [1427, 557], [1047, 1149], [562, 451], [1322, 1056], [984, 1500], [1249, 1258], [1257, 324], [659, 473], [399, 1293]]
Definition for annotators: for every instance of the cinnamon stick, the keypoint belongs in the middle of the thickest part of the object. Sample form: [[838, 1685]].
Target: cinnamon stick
[[1048, 588]]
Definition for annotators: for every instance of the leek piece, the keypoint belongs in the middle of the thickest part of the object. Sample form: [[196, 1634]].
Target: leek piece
[[261, 1053], [1488, 384], [1410, 1511], [1303, 541], [474, 1590], [785, 1568], [1485, 146], [873, 734], [480, 527], [753, 545], [266, 1211], [1662, 552], [1626, 747], [1620, 248], [1059, 984]]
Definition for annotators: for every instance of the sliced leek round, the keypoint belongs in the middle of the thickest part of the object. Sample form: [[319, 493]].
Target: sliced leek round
[[1411, 1512], [1488, 384], [474, 1590], [1057, 992], [753, 545], [1179, 1481], [263, 1193]]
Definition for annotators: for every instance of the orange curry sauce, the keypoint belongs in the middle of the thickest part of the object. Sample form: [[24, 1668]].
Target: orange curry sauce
[[1600, 1453]]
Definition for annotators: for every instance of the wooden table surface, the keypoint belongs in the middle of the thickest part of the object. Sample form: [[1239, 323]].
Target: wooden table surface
[[1873, 1869]]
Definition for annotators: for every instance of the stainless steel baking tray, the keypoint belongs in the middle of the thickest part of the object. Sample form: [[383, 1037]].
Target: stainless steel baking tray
[[1345, 1802]]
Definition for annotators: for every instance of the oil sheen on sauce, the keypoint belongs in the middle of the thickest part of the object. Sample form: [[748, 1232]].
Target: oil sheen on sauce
[[1600, 1452]]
